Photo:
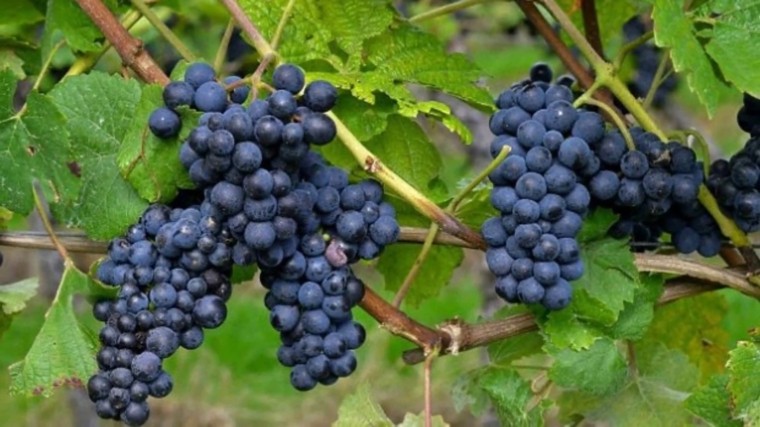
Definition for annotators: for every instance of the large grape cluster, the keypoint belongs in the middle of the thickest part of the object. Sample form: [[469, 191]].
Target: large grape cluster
[[172, 270], [654, 188], [647, 58], [539, 190], [267, 199]]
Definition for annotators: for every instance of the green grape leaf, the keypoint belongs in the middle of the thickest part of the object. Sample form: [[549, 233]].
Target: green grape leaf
[[434, 274], [596, 225], [733, 43], [149, 163], [404, 148], [407, 54], [637, 315], [743, 383], [694, 327], [353, 21], [361, 409], [10, 61], [610, 280], [62, 352], [35, 148], [13, 298], [563, 329], [674, 30], [504, 390], [652, 396], [476, 208], [365, 120], [504, 352], [598, 370], [20, 13], [77, 28], [304, 37], [712, 403], [100, 109], [611, 15], [418, 420]]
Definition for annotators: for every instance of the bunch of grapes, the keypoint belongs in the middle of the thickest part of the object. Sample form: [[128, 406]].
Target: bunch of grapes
[[736, 185], [749, 115], [172, 270], [539, 190], [654, 188], [647, 58], [267, 199]]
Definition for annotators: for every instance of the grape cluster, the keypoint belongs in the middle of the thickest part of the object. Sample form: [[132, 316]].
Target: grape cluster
[[172, 270], [654, 189], [748, 117], [267, 199], [736, 185], [539, 190], [647, 58]]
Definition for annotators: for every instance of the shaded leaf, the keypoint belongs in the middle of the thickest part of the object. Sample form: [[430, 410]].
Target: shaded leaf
[[62, 353], [361, 409], [712, 403], [743, 383], [733, 45], [598, 370], [637, 315], [13, 298]]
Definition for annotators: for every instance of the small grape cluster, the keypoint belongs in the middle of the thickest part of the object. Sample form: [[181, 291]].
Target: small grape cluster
[[172, 270], [539, 190], [647, 58], [736, 185], [654, 188], [748, 117]]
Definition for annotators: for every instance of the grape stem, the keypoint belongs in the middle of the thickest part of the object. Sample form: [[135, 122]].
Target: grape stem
[[224, 45], [434, 228], [259, 42], [130, 49], [657, 80], [606, 73], [286, 13], [591, 25], [629, 47], [43, 213], [619, 123], [165, 31], [445, 10]]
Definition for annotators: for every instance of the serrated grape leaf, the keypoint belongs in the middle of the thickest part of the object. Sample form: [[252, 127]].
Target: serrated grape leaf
[[62, 353], [504, 390], [598, 370], [653, 397], [77, 28], [305, 37], [418, 420], [353, 21], [242, 273], [100, 109], [35, 147], [609, 282], [21, 12], [711, 403], [674, 30], [743, 382], [365, 120], [149, 163], [404, 148], [637, 315], [361, 409], [10, 61], [13, 298], [735, 37], [694, 327], [434, 274], [563, 329], [611, 15]]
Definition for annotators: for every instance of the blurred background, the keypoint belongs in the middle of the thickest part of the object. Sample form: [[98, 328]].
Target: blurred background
[[234, 379]]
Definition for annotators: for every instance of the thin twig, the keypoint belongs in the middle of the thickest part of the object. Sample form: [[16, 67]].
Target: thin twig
[[621, 125], [591, 25], [657, 80], [261, 45], [445, 10], [165, 31], [281, 25], [224, 45], [428, 389], [129, 48], [256, 76], [629, 47], [42, 211], [46, 64]]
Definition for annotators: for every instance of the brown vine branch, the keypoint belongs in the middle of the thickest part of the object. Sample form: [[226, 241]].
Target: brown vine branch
[[130, 49], [591, 25], [259, 42], [466, 337]]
